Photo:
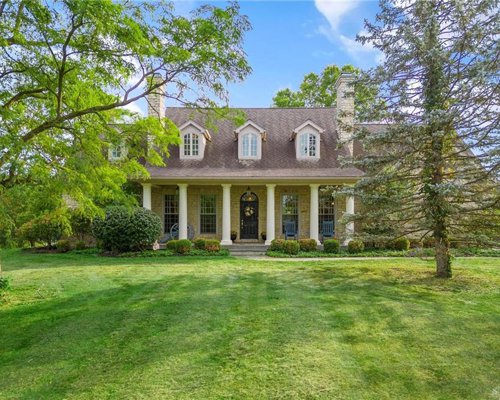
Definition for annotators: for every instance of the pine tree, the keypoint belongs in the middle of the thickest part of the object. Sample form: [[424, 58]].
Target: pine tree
[[434, 169]]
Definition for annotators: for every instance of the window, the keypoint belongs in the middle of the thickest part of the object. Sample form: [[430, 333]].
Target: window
[[249, 145], [191, 145], [208, 213], [289, 210], [307, 145], [171, 211], [117, 152], [326, 208]]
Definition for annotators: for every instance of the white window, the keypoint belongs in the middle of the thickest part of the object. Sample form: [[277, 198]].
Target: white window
[[249, 145], [191, 144], [308, 145], [117, 152]]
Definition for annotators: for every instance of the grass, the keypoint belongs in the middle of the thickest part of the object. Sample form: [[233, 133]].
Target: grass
[[85, 327]]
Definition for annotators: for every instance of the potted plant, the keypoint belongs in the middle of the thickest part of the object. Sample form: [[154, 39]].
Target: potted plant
[[263, 236], [234, 235]]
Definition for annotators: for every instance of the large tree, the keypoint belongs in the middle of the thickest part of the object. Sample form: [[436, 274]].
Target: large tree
[[434, 171], [318, 90], [68, 67]]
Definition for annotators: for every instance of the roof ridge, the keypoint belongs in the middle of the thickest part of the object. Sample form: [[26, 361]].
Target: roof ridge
[[258, 108]]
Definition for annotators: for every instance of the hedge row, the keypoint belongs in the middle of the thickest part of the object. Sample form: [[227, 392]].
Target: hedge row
[[184, 246]]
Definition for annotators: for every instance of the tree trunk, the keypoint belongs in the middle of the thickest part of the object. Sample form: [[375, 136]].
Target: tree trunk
[[443, 258]]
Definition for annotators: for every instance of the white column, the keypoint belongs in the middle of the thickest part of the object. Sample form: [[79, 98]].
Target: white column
[[146, 196], [226, 215], [270, 214], [183, 231], [314, 211], [349, 227]]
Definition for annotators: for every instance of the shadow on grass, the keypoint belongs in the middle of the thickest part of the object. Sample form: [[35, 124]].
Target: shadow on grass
[[182, 330]]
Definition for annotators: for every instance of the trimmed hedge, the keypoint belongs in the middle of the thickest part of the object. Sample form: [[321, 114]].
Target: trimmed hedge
[[401, 243], [183, 246], [331, 246], [199, 243], [172, 245], [291, 247], [308, 245], [355, 246], [277, 245], [212, 245], [80, 245]]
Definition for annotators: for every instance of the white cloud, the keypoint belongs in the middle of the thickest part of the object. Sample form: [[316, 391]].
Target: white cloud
[[361, 53], [334, 11]]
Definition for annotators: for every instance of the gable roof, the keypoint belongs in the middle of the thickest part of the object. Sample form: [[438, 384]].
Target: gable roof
[[278, 153]]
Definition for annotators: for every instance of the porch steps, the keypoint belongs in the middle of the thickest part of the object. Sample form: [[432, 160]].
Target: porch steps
[[247, 250]]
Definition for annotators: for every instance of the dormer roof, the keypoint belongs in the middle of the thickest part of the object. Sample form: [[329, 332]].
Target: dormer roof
[[250, 123]]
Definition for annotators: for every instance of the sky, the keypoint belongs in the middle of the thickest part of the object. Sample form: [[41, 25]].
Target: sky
[[292, 38]]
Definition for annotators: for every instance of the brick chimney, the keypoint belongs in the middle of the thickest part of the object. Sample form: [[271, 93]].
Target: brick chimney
[[345, 109], [156, 99]]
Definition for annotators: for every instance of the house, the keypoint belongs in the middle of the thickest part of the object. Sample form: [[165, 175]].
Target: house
[[269, 172]]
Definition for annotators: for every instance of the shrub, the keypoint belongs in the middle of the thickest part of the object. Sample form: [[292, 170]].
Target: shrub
[[331, 246], [277, 245], [355, 246], [401, 243], [81, 225], [183, 246], [291, 247], [212, 245], [308, 245], [4, 283], [123, 230], [199, 243], [80, 245], [48, 228], [172, 245], [234, 235], [63, 246]]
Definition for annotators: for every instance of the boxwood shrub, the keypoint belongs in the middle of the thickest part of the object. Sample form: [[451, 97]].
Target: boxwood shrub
[[124, 230], [199, 243], [172, 245], [212, 245], [401, 243], [308, 245], [331, 246], [277, 245], [63, 246], [291, 247], [355, 246], [183, 246]]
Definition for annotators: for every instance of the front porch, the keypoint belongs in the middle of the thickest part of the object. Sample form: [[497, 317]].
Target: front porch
[[249, 210]]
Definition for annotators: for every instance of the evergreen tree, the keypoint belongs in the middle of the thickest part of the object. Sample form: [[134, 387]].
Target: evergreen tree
[[434, 170]]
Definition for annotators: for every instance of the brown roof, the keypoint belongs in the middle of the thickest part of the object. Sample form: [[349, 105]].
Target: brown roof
[[278, 152]]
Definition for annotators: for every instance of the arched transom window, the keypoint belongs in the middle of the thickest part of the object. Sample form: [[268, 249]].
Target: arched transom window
[[308, 145], [191, 145], [249, 142]]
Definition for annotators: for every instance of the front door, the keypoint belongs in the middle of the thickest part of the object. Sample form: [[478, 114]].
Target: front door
[[249, 216]]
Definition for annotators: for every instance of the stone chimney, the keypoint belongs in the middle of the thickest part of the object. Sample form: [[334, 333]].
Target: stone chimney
[[345, 109], [156, 99]]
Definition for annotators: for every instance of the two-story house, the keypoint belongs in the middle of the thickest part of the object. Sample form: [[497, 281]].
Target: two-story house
[[255, 177]]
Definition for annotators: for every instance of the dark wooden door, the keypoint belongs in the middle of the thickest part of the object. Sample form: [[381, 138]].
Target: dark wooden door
[[249, 216]]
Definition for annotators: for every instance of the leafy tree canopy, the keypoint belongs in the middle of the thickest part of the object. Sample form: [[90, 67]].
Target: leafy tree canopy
[[68, 67], [319, 90]]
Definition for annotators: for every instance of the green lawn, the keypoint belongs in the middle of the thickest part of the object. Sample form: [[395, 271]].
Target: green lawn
[[84, 327]]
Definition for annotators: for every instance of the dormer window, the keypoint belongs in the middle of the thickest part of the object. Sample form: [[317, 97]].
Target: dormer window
[[307, 140], [117, 152], [194, 139], [249, 145], [250, 137], [307, 145], [191, 145]]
